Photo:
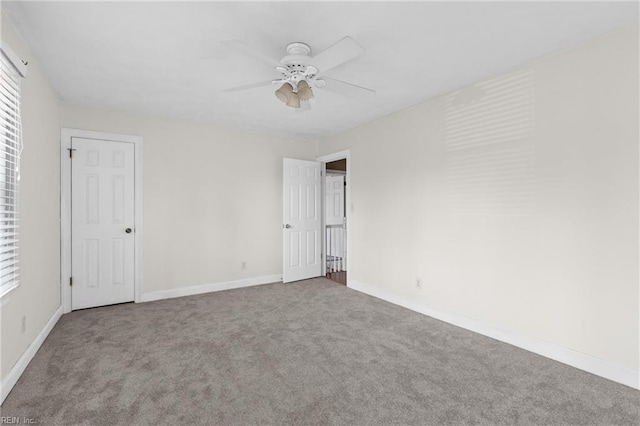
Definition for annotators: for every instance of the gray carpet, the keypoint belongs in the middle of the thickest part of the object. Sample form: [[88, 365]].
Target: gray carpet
[[312, 352]]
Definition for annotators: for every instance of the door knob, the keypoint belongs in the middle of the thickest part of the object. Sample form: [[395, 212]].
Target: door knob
[[287, 226], [128, 230]]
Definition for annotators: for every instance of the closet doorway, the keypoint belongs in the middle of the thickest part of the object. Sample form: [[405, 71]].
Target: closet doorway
[[336, 188]]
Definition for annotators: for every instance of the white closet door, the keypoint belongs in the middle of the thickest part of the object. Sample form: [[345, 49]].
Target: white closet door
[[102, 223]]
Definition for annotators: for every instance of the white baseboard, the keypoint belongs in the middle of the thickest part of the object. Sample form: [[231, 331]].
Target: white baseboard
[[208, 288], [597, 366], [16, 371]]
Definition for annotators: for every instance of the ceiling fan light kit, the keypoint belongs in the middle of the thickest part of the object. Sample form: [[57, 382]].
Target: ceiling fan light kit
[[299, 71], [289, 97]]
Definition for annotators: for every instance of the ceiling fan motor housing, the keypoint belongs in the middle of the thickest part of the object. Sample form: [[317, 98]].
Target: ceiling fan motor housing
[[295, 66]]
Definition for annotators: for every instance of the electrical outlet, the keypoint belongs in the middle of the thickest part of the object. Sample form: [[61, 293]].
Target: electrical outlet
[[418, 283], [244, 265], [23, 325]]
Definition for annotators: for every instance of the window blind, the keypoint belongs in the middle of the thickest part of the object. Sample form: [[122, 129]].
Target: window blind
[[10, 149]]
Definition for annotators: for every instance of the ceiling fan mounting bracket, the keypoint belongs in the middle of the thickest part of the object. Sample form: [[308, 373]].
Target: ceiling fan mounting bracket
[[297, 59], [298, 48]]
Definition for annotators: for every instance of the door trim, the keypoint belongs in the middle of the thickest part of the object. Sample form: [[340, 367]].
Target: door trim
[[348, 208], [66, 135]]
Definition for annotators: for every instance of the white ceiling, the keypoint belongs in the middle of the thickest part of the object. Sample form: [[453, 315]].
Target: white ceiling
[[166, 59]]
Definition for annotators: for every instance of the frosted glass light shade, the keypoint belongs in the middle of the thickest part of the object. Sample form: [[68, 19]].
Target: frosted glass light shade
[[294, 101], [284, 92], [304, 91], [287, 95]]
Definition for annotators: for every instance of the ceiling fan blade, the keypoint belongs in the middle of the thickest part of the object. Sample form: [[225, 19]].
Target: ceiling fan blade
[[249, 86], [344, 88], [338, 53], [250, 51]]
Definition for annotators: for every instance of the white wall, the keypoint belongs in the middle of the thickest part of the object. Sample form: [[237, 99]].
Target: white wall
[[38, 296], [212, 197], [515, 201]]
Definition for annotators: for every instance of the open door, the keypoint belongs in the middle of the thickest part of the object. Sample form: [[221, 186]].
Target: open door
[[301, 219]]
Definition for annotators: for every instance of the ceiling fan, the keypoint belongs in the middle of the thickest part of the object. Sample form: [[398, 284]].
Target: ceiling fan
[[300, 72]]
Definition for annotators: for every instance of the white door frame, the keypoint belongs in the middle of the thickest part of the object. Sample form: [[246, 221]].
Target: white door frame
[[66, 136], [340, 155]]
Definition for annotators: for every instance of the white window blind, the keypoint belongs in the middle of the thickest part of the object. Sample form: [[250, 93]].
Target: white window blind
[[10, 149]]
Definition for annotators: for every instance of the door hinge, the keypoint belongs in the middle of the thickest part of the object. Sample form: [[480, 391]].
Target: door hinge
[[71, 152], [71, 281]]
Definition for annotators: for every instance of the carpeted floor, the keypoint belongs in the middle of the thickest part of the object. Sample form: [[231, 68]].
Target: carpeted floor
[[312, 352]]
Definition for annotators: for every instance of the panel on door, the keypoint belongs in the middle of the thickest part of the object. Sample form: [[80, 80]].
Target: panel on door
[[302, 219], [102, 223]]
